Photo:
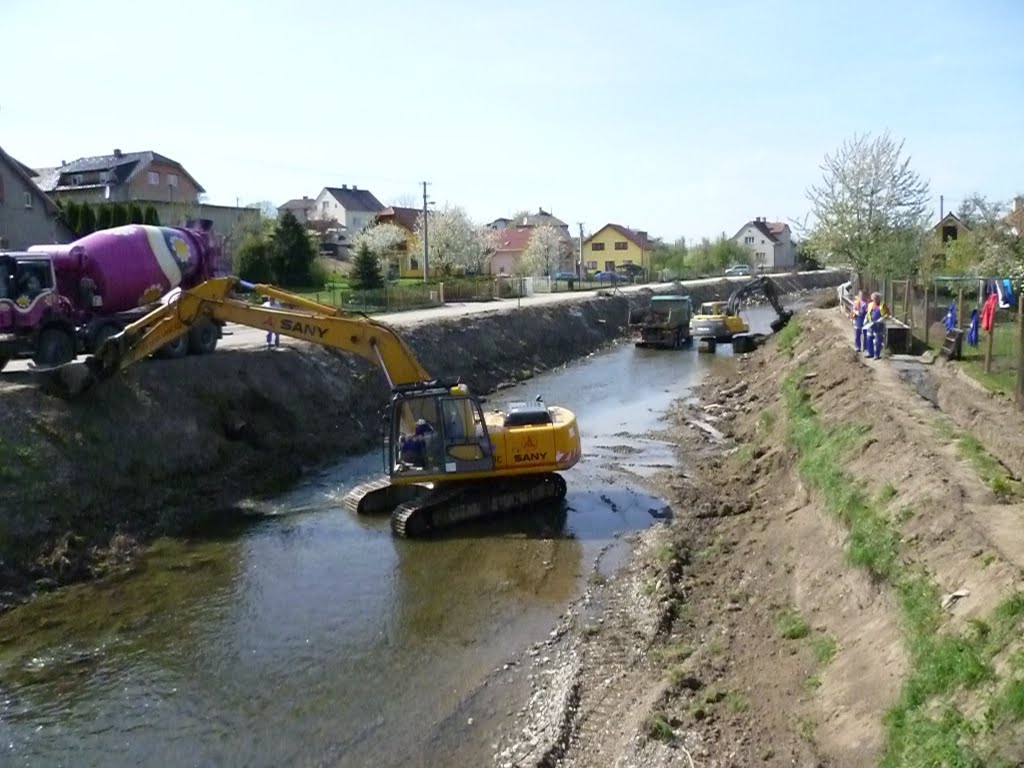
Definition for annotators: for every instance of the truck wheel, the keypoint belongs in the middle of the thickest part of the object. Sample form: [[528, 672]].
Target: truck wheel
[[55, 347], [174, 349], [202, 338]]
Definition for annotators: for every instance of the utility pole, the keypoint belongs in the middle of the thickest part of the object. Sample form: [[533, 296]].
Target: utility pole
[[426, 265], [579, 261]]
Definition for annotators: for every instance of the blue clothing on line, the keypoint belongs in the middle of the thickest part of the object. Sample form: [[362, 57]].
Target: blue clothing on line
[[972, 331]]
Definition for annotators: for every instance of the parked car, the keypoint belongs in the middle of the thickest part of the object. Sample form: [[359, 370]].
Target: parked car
[[739, 269], [564, 276], [608, 277]]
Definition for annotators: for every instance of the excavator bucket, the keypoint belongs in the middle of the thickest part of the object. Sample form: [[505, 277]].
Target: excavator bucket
[[69, 380], [782, 321]]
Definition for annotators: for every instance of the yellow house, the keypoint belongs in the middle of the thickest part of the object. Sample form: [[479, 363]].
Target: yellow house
[[410, 253], [614, 248]]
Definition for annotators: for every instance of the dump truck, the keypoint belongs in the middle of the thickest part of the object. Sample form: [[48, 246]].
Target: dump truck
[[59, 301], [664, 323]]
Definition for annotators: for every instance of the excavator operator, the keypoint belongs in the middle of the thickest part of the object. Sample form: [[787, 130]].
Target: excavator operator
[[413, 448]]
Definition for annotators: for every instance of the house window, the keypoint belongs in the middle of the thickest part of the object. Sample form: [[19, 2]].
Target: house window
[[609, 266], [76, 180], [627, 262], [172, 179], [104, 177], [154, 178], [748, 240], [621, 245], [414, 263], [597, 246], [760, 255], [591, 265], [323, 206], [28, 199]]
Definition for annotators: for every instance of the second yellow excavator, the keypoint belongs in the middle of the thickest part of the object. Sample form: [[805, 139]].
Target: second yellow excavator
[[446, 459]]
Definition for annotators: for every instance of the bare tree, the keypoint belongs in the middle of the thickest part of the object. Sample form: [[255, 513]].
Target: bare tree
[[542, 253], [868, 197]]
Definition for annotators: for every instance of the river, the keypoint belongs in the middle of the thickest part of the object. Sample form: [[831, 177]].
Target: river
[[306, 636]]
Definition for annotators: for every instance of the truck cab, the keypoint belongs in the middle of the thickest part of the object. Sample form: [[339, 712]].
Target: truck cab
[[31, 310]]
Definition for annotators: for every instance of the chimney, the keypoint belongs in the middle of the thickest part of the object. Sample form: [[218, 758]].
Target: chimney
[[305, 197], [1018, 204], [354, 187], [117, 153], [344, 186]]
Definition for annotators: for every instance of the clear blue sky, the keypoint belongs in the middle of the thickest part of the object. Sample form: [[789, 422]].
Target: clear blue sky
[[672, 116]]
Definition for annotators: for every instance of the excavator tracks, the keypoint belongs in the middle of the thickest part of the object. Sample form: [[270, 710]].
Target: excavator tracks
[[449, 505], [417, 510]]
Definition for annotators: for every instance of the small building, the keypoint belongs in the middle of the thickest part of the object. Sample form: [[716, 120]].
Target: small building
[[615, 248], [537, 219], [1015, 218], [769, 242], [28, 216], [509, 247], [301, 208], [410, 252], [950, 227], [120, 177], [354, 209]]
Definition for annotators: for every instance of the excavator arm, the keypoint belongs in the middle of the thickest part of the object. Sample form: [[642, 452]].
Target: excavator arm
[[374, 341], [766, 286]]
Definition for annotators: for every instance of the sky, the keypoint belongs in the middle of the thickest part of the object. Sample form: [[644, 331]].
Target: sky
[[676, 117]]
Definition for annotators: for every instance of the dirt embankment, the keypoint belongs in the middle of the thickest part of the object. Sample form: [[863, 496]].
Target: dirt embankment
[[839, 586], [169, 443]]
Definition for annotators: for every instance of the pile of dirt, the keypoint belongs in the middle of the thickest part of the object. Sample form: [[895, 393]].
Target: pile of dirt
[[839, 551]]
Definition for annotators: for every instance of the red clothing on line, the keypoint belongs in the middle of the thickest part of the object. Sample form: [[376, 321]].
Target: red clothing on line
[[988, 312]]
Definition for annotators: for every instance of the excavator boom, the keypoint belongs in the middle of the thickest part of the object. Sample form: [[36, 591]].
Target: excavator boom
[[371, 340], [447, 461]]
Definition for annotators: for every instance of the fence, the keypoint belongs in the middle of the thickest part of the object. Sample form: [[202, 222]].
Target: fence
[[998, 359], [391, 298]]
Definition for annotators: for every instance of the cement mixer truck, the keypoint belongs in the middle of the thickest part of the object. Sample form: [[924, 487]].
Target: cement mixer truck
[[58, 301]]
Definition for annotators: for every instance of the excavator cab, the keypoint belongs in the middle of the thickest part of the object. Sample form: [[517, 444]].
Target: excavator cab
[[436, 429]]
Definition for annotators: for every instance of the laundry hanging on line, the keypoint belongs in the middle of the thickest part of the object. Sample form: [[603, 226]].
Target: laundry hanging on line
[[951, 317], [972, 330]]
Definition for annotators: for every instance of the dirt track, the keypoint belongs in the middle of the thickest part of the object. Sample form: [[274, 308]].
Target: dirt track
[[780, 616]]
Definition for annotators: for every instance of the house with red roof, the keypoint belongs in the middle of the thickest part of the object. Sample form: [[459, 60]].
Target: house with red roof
[[509, 246], [770, 243]]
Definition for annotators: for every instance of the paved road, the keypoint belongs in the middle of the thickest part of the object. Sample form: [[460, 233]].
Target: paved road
[[240, 336]]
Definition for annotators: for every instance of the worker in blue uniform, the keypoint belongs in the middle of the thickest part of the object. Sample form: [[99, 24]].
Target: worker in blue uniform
[[877, 312]]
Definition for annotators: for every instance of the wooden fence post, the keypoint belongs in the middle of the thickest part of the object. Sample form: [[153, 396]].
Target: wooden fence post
[[927, 313], [960, 311], [906, 301]]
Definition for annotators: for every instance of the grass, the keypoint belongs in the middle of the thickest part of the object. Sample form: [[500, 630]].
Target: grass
[[767, 421], [824, 647], [923, 727], [1003, 376], [791, 625], [988, 468], [658, 727], [736, 702], [744, 454], [787, 336]]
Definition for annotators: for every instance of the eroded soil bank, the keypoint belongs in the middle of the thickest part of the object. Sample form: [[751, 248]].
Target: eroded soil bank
[[169, 443], [839, 587]]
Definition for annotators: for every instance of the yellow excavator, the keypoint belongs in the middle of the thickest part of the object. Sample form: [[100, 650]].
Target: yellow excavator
[[446, 459]]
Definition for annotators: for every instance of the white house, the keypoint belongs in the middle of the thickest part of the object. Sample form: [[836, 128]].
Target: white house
[[353, 208], [770, 242]]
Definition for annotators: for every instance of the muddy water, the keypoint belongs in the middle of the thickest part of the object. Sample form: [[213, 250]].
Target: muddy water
[[310, 637]]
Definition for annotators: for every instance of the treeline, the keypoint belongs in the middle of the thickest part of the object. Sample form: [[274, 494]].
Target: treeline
[[83, 218], [283, 254]]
